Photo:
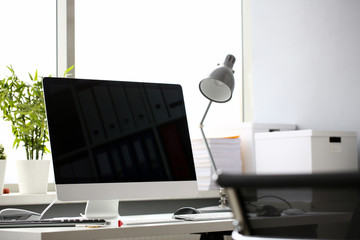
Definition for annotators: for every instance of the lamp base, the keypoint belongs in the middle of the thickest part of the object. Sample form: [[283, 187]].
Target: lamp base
[[222, 207]]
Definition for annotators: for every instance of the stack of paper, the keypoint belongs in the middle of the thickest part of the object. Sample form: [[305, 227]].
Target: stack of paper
[[226, 154]]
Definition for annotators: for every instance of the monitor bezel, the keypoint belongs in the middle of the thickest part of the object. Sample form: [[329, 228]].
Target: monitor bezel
[[123, 190]]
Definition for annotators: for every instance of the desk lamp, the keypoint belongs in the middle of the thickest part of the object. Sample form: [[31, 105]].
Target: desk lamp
[[218, 87]]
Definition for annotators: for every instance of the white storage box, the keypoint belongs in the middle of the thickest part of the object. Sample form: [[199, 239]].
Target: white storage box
[[306, 151], [247, 132]]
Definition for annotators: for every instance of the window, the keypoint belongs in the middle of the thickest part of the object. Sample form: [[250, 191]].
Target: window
[[163, 41], [28, 42], [178, 41]]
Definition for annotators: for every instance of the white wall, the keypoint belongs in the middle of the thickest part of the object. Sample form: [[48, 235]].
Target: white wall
[[306, 63]]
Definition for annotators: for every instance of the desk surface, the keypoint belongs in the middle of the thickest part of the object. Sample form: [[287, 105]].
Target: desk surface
[[163, 229], [148, 230]]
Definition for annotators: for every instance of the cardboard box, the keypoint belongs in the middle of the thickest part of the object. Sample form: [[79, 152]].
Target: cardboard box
[[306, 151], [247, 132]]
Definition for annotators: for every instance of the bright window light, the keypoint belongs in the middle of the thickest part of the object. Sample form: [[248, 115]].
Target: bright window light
[[28, 42], [178, 41]]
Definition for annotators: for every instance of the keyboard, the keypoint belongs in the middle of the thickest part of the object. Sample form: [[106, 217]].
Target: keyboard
[[54, 222], [205, 216]]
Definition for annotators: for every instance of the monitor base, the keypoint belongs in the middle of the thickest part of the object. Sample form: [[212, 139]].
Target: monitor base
[[104, 209]]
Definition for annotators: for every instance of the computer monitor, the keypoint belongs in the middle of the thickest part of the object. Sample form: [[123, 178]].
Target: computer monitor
[[113, 140]]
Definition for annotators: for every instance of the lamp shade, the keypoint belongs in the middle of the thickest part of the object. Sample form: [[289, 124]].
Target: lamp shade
[[219, 86]]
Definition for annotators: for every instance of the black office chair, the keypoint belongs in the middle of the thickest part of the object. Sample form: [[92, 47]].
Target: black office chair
[[330, 204]]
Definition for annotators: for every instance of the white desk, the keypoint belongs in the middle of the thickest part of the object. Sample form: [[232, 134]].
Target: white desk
[[163, 229], [148, 230]]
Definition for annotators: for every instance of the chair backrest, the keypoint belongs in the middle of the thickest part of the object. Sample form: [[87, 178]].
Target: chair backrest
[[302, 206]]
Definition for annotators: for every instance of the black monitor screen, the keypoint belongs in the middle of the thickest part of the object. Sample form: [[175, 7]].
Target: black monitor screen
[[115, 131]]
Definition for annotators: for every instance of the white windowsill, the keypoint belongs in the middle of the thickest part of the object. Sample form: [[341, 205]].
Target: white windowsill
[[26, 199], [13, 199]]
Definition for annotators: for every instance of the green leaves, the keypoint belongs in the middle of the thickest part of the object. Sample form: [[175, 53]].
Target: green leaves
[[22, 103], [2, 152], [68, 70]]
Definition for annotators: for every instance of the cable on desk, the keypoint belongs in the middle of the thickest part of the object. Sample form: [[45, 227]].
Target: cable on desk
[[47, 208], [250, 203], [271, 196]]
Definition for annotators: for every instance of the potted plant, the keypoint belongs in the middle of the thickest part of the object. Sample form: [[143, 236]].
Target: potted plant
[[2, 168], [22, 103]]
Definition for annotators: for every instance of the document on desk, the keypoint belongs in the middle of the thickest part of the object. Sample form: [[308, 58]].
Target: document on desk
[[226, 153]]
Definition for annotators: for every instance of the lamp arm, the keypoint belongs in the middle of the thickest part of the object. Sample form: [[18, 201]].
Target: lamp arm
[[223, 199], [205, 140]]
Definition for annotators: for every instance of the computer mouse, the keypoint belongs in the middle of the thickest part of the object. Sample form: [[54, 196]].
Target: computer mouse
[[267, 211], [18, 214], [293, 211], [186, 210]]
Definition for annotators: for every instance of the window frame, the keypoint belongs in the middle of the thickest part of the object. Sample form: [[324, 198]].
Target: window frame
[[65, 36]]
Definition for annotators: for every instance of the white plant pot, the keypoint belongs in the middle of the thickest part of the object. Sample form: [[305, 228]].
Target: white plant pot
[[33, 176], [2, 174]]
